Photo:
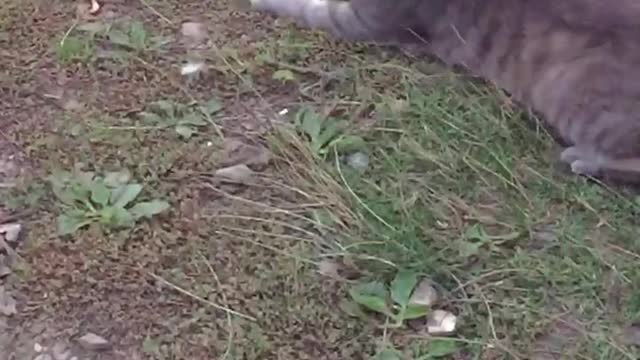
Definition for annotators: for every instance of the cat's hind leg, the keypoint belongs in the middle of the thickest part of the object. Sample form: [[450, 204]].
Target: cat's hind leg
[[583, 160], [587, 161]]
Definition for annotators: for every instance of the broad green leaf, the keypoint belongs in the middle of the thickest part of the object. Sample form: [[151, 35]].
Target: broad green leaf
[[284, 75], [85, 178], [74, 48], [370, 295], [106, 215], [388, 354], [351, 308], [371, 302], [79, 192], [476, 232], [328, 133], [185, 131], [124, 194], [67, 224], [150, 346], [138, 35], [122, 217], [63, 194], [349, 143], [402, 287], [415, 312], [163, 107], [148, 208], [213, 106], [440, 348], [311, 124], [100, 193], [153, 118], [467, 248], [372, 288], [192, 118], [118, 37]]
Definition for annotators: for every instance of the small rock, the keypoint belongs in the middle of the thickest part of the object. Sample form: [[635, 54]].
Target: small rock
[[424, 294], [329, 268], [441, 322], [358, 160], [91, 341], [191, 68], [7, 303], [43, 357], [10, 231], [236, 151], [235, 174], [60, 351], [37, 348], [95, 7]]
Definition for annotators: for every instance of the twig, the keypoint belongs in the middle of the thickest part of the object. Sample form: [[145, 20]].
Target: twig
[[224, 298], [157, 13], [196, 297]]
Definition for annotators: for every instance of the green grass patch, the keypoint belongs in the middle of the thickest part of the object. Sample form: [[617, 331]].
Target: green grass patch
[[461, 188]]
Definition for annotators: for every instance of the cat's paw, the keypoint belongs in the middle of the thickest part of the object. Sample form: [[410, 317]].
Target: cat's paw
[[583, 161]]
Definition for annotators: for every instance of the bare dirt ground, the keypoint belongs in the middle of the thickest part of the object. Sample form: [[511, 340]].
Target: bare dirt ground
[[153, 292]]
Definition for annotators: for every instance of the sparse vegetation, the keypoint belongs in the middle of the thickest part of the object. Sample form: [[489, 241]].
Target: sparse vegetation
[[109, 200], [183, 119], [459, 186]]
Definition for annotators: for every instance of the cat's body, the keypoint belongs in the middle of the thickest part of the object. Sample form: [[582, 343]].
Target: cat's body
[[576, 62]]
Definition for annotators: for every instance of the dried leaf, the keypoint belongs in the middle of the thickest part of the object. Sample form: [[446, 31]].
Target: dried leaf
[[235, 174], [91, 341], [329, 268]]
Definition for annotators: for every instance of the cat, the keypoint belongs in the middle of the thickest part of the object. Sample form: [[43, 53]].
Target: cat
[[575, 62]]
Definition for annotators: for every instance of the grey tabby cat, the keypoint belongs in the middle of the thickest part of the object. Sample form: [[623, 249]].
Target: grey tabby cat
[[576, 62]]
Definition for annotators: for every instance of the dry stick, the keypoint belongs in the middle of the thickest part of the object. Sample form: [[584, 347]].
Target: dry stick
[[201, 299], [157, 13], [497, 342], [224, 298], [267, 206]]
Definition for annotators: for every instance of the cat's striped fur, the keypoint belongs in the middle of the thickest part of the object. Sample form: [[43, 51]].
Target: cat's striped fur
[[576, 62]]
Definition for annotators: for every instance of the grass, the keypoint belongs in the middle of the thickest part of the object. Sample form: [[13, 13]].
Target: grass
[[460, 187]]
